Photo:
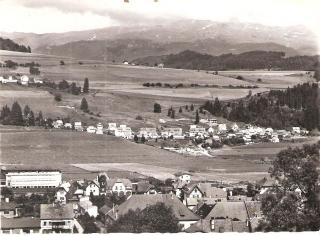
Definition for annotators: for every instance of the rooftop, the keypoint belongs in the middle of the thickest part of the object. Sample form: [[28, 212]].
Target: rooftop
[[142, 201], [20, 223], [54, 211]]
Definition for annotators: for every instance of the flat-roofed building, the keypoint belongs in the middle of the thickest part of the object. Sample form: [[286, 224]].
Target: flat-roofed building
[[33, 178]]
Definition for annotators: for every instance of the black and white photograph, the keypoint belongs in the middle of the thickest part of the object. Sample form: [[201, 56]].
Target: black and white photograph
[[159, 116]]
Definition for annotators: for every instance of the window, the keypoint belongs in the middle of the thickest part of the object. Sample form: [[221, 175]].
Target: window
[[44, 223], [6, 212]]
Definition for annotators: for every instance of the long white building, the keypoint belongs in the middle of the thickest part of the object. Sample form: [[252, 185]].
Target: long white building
[[33, 178]]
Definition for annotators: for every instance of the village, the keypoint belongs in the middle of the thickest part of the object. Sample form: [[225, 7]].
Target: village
[[40, 201]]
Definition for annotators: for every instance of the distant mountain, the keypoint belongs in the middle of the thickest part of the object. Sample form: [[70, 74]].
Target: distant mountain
[[9, 45], [177, 33], [130, 49], [247, 60]]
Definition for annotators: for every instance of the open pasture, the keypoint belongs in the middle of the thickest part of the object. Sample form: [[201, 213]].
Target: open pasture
[[56, 148]]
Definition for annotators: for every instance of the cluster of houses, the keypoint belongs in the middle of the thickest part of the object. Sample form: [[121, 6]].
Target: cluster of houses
[[22, 80], [213, 132], [203, 206]]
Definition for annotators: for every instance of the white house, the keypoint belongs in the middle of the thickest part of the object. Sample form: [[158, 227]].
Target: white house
[[296, 130], [93, 187], [195, 130], [148, 132], [235, 127], [24, 80], [58, 124], [86, 206], [78, 126], [91, 129], [183, 177], [191, 195], [175, 132], [61, 195], [99, 130], [57, 217], [119, 186], [112, 126], [213, 122], [68, 125], [124, 132], [8, 79], [222, 127]]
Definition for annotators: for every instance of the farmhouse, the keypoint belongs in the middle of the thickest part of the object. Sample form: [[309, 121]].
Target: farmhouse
[[61, 195], [184, 177], [215, 193], [148, 133], [191, 194], [175, 132], [124, 132], [112, 126], [57, 124], [91, 129], [33, 178], [119, 186], [57, 218], [196, 131], [91, 187], [78, 126], [181, 212], [99, 130], [24, 79], [8, 79]]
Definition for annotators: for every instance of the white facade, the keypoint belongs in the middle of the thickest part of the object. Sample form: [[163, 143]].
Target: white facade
[[33, 179], [66, 224], [185, 178], [91, 129], [222, 127], [112, 126], [86, 206], [148, 133], [124, 132], [24, 80], [99, 129], [194, 130], [175, 132], [92, 188], [10, 79], [78, 126], [58, 124]]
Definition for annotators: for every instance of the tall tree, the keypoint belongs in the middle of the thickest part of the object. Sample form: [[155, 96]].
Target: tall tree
[[197, 117], [156, 108], [16, 117], [40, 119], [283, 209], [86, 85], [153, 219], [84, 105]]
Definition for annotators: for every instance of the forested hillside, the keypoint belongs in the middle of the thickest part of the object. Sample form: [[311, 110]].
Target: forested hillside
[[297, 106], [248, 60], [9, 45]]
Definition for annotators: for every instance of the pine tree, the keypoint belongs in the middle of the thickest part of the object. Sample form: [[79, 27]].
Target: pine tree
[[191, 107], [84, 105], [40, 119], [216, 107], [26, 111], [172, 114], [16, 115], [86, 86], [156, 108], [31, 118], [197, 118], [169, 112], [180, 110]]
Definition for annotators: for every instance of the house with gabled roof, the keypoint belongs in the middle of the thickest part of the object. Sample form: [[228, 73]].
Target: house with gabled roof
[[119, 186], [143, 187], [20, 225], [57, 217], [191, 195], [9, 209], [181, 212]]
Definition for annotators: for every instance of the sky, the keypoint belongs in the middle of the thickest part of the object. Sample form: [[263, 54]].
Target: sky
[[47, 16]]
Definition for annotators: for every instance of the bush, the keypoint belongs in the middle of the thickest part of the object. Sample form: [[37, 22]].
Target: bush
[[139, 117], [57, 97], [239, 77]]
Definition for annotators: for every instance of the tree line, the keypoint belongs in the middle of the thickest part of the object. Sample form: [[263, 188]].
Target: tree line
[[296, 106], [18, 117], [248, 60], [9, 45]]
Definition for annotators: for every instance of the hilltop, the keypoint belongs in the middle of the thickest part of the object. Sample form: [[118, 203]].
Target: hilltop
[[9, 45]]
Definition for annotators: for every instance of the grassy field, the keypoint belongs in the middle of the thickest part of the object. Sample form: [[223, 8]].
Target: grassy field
[[89, 152]]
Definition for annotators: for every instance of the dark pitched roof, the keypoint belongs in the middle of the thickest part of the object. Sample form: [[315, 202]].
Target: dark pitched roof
[[212, 192], [51, 211], [232, 210], [142, 201], [202, 226], [8, 205], [20, 223], [187, 189], [105, 209], [142, 187]]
